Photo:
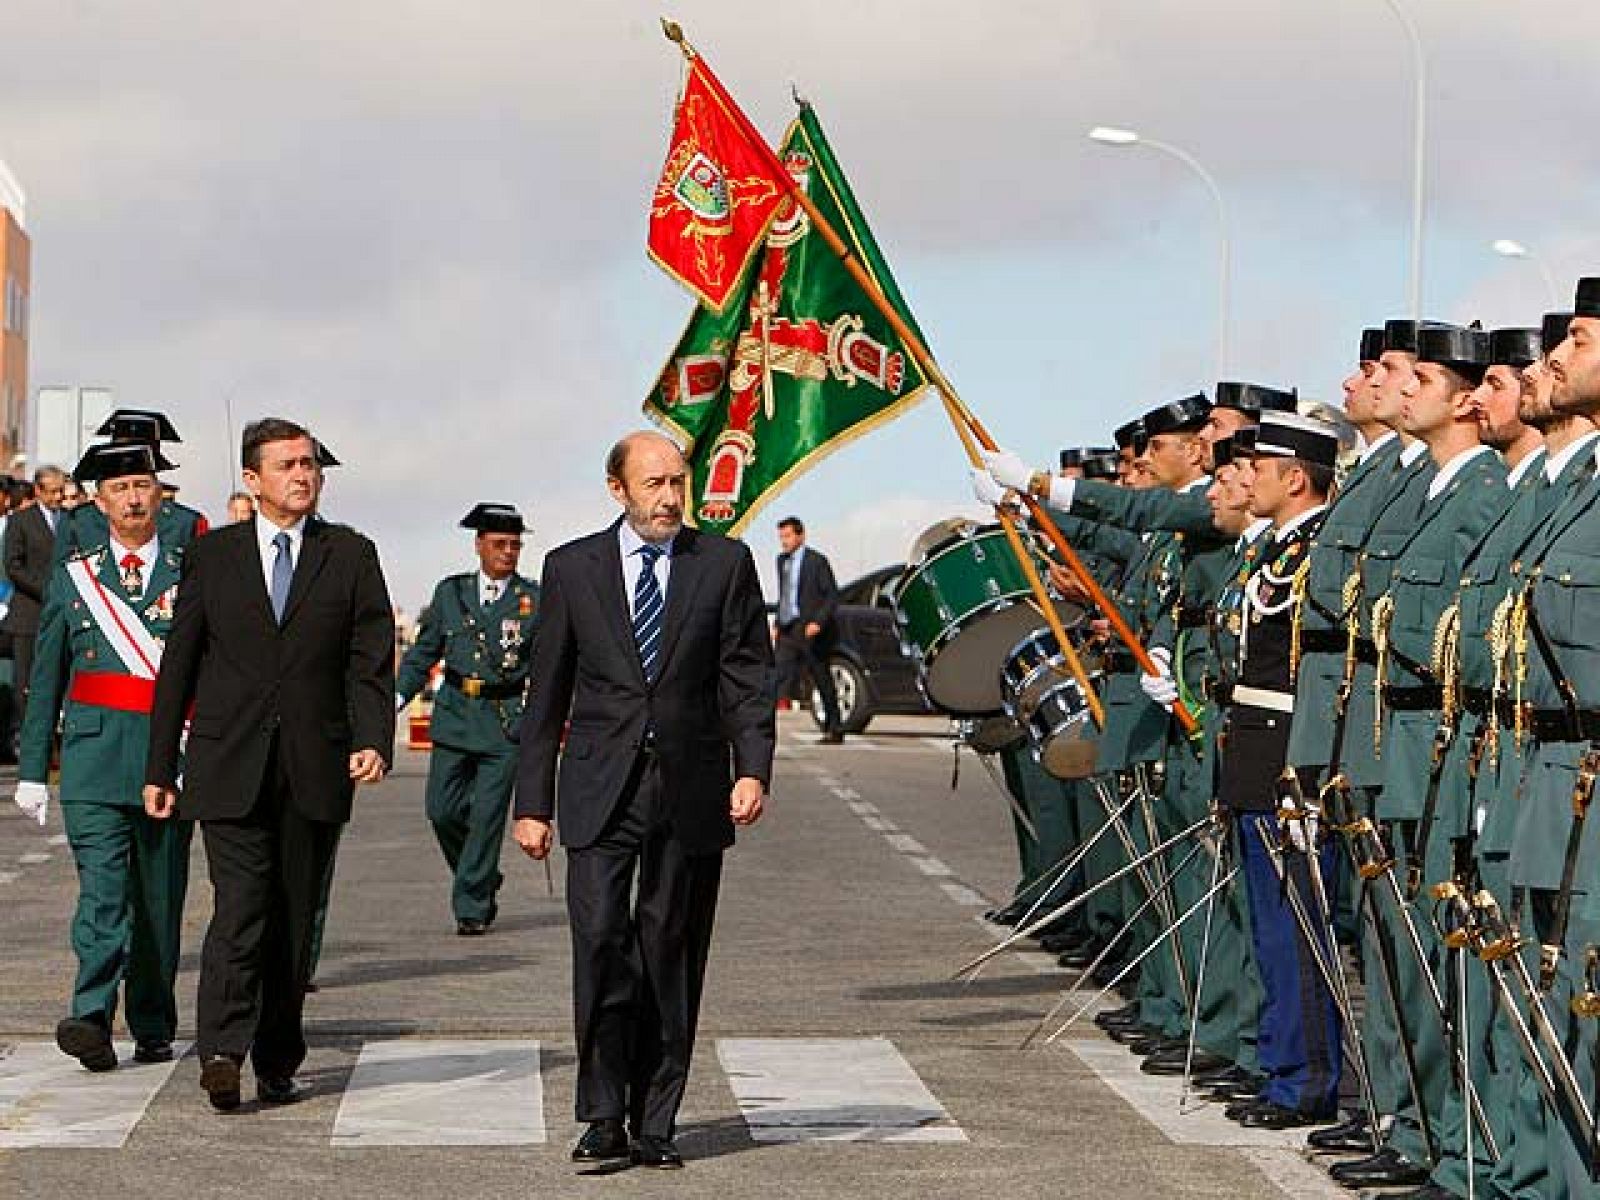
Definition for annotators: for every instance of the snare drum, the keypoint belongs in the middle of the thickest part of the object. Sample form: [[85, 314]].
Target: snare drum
[[992, 735], [960, 608], [1040, 693]]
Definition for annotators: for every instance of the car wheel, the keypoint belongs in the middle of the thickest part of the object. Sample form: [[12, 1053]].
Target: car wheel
[[855, 700]]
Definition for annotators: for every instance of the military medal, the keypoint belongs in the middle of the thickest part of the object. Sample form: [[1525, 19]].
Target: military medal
[[524, 605]]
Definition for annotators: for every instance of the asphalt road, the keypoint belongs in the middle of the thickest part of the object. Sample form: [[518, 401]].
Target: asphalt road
[[843, 915]]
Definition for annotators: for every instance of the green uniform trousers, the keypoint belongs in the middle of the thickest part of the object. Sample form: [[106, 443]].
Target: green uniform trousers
[[133, 875], [468, 800]]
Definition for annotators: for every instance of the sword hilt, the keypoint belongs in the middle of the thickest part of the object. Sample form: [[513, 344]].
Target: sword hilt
[[1372, 860], [1549, 960], [1498, 939], [1454, 913], [1587, 1002]]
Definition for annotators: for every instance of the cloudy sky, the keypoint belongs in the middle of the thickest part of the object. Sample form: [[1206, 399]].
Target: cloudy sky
[[419, 225]]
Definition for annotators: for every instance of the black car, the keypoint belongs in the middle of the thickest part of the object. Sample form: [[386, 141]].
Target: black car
[[871, 671]]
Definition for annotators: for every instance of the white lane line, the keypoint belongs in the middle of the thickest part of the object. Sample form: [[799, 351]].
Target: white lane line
[[9, 876], [880, 825], [1290, 1173], [1155, 1098], [832, 1090], [964, 896], [408, 1092], [33, 859], [906, 844], [59, 839], [1040, 963], [862, 809], [48, 1100], [930, 866], [844, 793]]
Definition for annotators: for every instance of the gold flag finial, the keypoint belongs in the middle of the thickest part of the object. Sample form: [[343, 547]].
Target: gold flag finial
[[674, 33]]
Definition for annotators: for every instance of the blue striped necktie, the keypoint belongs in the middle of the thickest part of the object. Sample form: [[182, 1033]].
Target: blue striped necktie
[[648, 609]]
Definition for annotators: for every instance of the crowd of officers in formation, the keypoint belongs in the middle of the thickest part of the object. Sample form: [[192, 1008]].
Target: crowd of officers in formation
[[96, 587], [1396, 665]]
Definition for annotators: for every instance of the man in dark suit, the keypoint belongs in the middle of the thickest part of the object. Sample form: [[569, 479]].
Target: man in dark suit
[[653, 645], [282, 647], [30, 557], [808, 599]]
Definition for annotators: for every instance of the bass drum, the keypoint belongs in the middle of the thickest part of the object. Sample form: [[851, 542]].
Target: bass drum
[[1042, 696], [992, 735], [960, 608]]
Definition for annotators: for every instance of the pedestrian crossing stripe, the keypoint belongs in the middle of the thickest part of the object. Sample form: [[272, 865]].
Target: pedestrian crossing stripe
[[489, 1092]]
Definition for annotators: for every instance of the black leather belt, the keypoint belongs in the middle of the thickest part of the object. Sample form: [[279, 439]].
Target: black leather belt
[[1193, 617], [1413, 699], [1323, 641], [1559, 725], [482, 689], [1480, 703]]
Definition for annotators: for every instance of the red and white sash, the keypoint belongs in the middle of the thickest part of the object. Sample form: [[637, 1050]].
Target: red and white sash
[[138, 649]]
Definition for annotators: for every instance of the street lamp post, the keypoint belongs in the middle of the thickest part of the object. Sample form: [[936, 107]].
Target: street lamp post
[[1419, 164], [1108, 135], [1508, 248]]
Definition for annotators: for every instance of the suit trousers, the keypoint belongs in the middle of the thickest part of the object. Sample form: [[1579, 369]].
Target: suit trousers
[[267, 872], [639, 959], [798, 655]]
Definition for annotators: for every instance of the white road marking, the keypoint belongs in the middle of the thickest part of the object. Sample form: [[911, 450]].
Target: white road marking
[[832, 1090], [1040, 963], [443, 1093], [48, 1100], [906, 844], [9, 876], [1155, 1097], [59, 839], [880, 825], [33, 859], [844, 793], [1290, 1173], [963, 895], [862, 809], [930, 866]]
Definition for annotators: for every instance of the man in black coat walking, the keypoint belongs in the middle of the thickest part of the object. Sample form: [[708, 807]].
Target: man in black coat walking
[[282, 649], [808, 599], [653, 654]]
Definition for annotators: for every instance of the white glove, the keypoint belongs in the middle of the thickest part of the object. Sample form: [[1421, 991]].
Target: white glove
[[34, 799], [1161, 687], [989, 493], [1303, 833], [1006, 469]]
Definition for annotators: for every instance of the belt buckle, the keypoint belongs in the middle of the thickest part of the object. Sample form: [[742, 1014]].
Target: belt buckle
[[472, 687]]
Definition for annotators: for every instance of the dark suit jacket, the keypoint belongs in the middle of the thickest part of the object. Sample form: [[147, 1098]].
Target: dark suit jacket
[[709, 707], [30, 549], [819, 594], [323, 683]]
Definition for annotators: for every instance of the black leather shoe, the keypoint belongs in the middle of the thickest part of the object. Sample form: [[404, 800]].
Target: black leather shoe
[[281, 1090], [1133, 1033], [1174, 1062], [312, 987], [1009, 915], [1081, 956], [603, 1141], [1118, 1016], [1145, 1047], [1387, 1168], [659, 1154], [467, 927], [1236, 1091], [219, 1078], [1238, 1108], [1069, 942], [1231, 1073], [88, 1041], [152, 1052], [1348, 1137], [827, 739], [1428, 1191], [1275, 1116]]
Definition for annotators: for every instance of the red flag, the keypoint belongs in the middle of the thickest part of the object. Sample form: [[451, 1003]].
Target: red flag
[[719, 191]]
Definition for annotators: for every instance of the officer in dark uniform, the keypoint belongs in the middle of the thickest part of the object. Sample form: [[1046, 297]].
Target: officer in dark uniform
[[480, 625]]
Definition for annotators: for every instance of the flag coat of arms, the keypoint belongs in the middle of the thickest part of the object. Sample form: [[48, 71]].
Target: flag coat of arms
[[719, 191], [797, 363]]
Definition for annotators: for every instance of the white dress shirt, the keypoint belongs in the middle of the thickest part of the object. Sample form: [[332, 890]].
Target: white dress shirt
[[630, 544], [1525, 468], [1555, 464], [146, 554], [1377, 444], [490, 590], [1453, 468], [266, 531]]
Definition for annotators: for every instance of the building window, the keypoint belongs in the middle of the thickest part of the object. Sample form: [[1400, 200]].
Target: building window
[[16, 307]]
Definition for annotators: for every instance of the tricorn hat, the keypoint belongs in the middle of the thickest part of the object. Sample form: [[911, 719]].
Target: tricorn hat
[[113, 460], [1465, 351], [1127, 437], [1253, 399], [138, 425], [1553, 330], [1586, 302], [494, 518], [1077, 456], [1372, 344], [1180, 416], [1515, 347]]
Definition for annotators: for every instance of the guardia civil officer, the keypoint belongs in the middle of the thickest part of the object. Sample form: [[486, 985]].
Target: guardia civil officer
[[480, 625]]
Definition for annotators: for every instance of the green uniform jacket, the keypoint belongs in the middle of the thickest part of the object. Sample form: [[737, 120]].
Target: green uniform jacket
[[1334, 555], [1420, 589], [86, 528], [102, 750], [493, 644], [1391, 530]]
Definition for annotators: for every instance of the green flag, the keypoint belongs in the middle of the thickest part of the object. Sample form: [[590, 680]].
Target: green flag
[[798, 363]]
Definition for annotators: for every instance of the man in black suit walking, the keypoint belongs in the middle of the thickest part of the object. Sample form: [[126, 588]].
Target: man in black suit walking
[[282, 647], [654, 647], [30, 557], [808, 599]]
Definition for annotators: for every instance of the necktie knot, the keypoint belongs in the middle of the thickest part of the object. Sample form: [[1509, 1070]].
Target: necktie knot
[[651, 554]]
